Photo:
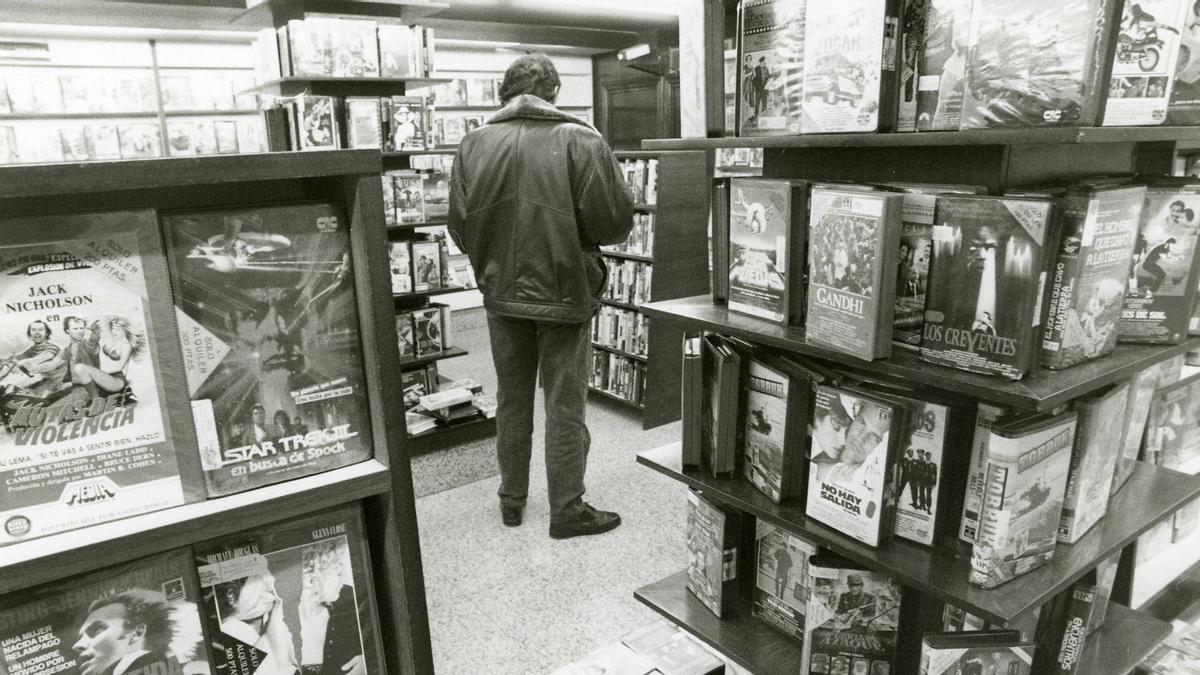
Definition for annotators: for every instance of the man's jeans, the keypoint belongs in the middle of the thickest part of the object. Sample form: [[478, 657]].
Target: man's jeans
[[563, 352]]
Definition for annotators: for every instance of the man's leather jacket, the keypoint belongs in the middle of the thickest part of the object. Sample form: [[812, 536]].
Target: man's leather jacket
[[533, 194]]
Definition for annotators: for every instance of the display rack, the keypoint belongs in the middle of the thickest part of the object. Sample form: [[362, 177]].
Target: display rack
[[348, 179], [272, 13], [998, 160], [680, 252]]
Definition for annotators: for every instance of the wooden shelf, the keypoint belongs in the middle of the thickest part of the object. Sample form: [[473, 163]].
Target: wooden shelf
[[748, 642], [613, 397], [1155, 576], [1120, 644], [341, 86], [42, 180], [1044, 136], [270, 13], [620, 352], [623, 305], [141, 114], [1039, 391], [447, 353], [1151, 494], [205, 113], [628, 256], [408, 226], [647, 208], [45, 559], [396, 154], [424, 294]]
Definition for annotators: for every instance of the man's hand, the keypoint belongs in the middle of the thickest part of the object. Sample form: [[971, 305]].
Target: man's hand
[[355, 666]]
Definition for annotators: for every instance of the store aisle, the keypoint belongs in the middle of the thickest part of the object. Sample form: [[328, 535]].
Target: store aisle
[[513, 601]]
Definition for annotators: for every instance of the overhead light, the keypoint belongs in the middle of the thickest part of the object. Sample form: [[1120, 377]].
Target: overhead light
[[634, 52]]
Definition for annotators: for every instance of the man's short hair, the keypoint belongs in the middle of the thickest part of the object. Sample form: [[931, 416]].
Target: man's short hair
[[149, 608], [531, 74], [67, 322], [29, 328]]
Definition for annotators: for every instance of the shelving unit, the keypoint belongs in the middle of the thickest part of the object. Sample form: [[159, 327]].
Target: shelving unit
[[383, 485], [340, 86], [680, 249]]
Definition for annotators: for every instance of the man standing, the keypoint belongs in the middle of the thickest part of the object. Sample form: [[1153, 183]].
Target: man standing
[[908, 476], [929, 478], [855, 607], [533, 194]]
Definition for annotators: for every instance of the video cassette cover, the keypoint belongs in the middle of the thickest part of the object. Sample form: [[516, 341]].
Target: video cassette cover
[[767, 248], [363, 124], [293, 596], [850, 57], [722, 390], [137, 618], [94, 427], [916, 254], [269, 327], [1171, 435], [427, 265], [1143, 67], [409, 197], [717, 538], [853, 618], [355, 50], [770, 68], [985, 249], [962, 653], [316, 122], [912, 48], [429, 329], [782, 585], [1036, 64], [1137, 410], [943, 65], [1091, 274], [1093, 459], [408, 123], [853, 243], [1029, 459], [693, 404], [1183, 108], [401, 267], [851, 458], [1062, 628], [720, 241], [774, 435], [405, 339], [1162, 285]]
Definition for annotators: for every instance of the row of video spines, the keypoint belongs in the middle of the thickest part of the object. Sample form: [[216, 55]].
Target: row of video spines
[[415, 196], [54, 142], [640, 240], [38, 91], [618, 376], [628, 281], [959, 66], [340, 47], [621, 329], [641, 175], [810, 594], [797, 429]]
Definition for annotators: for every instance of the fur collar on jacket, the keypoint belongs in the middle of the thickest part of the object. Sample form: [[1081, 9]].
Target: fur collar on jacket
[[529, 106]]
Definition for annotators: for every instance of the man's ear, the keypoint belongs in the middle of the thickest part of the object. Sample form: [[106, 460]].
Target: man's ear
[[138, 632]]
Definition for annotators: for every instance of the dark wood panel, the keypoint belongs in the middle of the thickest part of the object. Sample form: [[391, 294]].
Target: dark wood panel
[[1039, 391], [1152, 494], [1032, 164], [1045, 136], [42, 180], [1126, 638]]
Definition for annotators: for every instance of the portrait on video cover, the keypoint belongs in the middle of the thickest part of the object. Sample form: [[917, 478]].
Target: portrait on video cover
[[1162, 255], [138, 619], [286, 610], [268, 294]]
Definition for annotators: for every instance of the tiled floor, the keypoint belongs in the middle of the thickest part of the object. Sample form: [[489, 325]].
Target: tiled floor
[[512, 600]]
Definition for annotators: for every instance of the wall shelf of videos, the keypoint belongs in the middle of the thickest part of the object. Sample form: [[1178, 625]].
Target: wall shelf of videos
[[100, 97], [631, 363], [939, 385], [193, 404]]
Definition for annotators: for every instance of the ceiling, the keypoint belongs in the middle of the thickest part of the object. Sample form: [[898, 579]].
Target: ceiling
[[591, 24]]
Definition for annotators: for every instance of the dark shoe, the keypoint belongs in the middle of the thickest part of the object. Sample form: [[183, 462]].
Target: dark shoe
[[589, 520], [511, 515]]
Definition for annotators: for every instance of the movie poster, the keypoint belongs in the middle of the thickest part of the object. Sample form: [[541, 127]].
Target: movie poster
[[294, 596], [1143, 67], [1093, 459], [401, 267], [1162, 282], [139, 618], [943, 65], [850, 463], [1087, 289], [984, 250], [1184, 107], [711, 559], [853, 615], [766, 400], [760, 214], [268, 323], [781, 583], [86, 432], [316, 122], [1005, 658], [846, 237], [920, 463], [912, 48], [771, 67], [843, 61]]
